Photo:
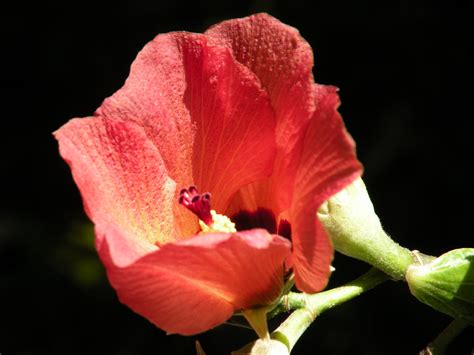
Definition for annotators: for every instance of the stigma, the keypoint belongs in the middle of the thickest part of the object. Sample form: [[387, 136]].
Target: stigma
[[200, 204]]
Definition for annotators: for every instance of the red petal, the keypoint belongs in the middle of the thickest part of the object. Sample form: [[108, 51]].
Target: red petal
[[194, 285], [121, 177], [206, 113], [153, 98], [283, 62], [328, 164]]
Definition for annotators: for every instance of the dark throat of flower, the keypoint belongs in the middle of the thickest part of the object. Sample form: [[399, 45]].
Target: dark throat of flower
[[262, 218]]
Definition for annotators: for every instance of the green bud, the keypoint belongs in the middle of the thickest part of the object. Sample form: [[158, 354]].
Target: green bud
[[356, 231], [446, 283]]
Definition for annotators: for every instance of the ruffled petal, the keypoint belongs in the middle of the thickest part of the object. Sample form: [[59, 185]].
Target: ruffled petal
[[121, 177], [206, 113], [328, 164], [283, 61], [193, 285]]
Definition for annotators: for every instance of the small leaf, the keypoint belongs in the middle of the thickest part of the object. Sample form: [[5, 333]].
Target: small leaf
[[257, 318], [199, 349]]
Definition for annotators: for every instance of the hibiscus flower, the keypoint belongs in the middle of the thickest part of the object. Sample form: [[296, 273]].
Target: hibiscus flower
[[204, 172]]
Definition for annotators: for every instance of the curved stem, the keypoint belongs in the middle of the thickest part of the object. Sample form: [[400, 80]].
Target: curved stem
[[290, 301], [441, 342], [381, 251], [313, 305]]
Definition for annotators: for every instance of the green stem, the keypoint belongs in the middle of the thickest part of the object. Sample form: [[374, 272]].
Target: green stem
[[313, 305], [290, 301], [380, 251], [439, 345]]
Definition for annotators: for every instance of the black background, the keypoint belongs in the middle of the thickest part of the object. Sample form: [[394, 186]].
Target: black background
[[404, 70]]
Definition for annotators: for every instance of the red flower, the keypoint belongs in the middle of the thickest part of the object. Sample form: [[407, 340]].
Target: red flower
[[235, 112]]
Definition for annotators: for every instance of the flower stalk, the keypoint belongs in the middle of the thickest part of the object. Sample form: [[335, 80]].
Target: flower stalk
[[310, 306], [289, 302]]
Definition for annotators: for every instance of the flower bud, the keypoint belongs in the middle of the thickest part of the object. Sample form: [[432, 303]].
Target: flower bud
[[446, 283], [356, 231]]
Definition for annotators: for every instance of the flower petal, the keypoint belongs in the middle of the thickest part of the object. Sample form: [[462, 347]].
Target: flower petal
[[328, 164], [121, 177], [193, 285], [283, 62], [205, 112], [152, 96]]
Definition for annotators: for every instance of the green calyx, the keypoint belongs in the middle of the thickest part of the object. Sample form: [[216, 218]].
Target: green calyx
[[446, 283]]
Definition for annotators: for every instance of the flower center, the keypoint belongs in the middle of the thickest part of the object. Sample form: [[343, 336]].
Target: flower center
[[200, 204]]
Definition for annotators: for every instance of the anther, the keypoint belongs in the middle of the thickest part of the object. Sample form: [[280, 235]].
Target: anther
[[200, 205]]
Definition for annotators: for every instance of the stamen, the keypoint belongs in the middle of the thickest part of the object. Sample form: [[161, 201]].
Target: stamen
[[200, 205]]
